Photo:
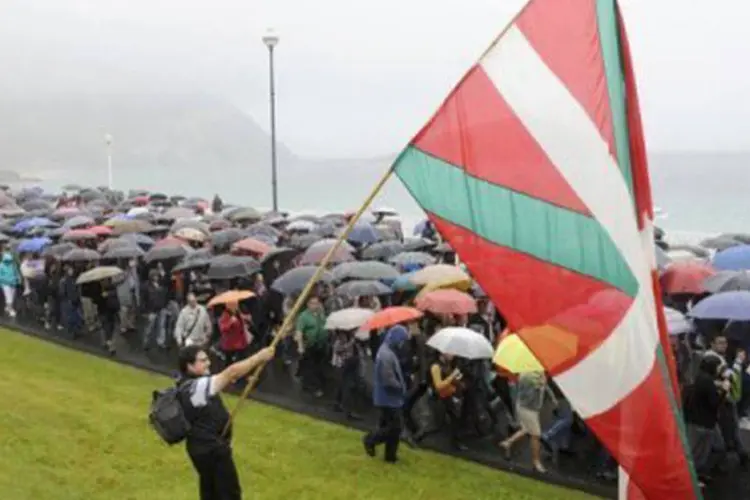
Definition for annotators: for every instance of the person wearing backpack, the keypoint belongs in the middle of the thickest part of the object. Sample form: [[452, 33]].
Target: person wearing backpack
[[208, 447]]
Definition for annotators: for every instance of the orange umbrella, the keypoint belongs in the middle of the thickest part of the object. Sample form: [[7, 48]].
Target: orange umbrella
[[101, 230], [447, 301], [392, 316], [251, 245], [230, 296]]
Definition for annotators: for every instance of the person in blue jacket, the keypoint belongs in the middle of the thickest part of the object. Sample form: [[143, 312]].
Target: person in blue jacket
[[389, 394], [10, 279]]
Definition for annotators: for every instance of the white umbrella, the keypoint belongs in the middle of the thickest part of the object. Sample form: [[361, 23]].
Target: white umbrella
[[461, 342], [677, 323], [348, 319]]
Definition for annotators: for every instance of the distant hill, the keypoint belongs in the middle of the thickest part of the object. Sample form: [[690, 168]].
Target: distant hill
[[49, 136]]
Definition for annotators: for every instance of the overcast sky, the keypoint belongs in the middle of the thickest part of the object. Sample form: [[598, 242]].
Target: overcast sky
[[359, 78]]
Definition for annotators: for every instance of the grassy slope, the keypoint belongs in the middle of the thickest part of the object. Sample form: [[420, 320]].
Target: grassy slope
[[74, 427]]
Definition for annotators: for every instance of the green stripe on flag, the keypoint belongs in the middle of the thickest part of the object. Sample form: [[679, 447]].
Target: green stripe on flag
[[609, 39], [515, 220]]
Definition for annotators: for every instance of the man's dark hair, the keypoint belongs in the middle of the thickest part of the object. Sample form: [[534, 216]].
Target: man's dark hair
[[187, 357]]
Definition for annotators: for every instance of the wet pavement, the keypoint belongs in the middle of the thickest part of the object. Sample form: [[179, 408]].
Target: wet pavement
[[279, 387]]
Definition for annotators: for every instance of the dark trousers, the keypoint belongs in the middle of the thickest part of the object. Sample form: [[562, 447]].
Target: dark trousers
[[388, 432], [314, 362], [217, 475], [348, 383]]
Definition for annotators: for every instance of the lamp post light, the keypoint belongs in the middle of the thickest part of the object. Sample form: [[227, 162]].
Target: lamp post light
[[108, 142], [271, 40]]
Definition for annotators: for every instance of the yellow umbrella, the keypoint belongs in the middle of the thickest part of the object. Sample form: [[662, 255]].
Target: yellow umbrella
[[231, 296], [553, 345], [444, 275]]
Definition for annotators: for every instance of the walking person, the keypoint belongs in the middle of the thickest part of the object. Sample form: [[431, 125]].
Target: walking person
[[10, 279], [389, 393], [208, 447], [193, 325]]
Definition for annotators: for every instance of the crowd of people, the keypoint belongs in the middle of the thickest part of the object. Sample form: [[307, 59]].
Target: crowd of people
[[166, 272]]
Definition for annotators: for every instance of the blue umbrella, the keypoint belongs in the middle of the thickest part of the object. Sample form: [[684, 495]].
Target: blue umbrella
[[402, 283], [363, 233], [27, 224], [724, 305], [33, 245], [735, 258]]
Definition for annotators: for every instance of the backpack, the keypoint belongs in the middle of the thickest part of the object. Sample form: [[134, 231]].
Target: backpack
[[167, 415]]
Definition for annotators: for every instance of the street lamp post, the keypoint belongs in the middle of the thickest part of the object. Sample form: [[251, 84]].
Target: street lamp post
[[271, 40], [108, 142]]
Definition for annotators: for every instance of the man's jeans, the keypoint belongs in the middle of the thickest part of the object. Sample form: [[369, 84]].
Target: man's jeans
[[155, 330]]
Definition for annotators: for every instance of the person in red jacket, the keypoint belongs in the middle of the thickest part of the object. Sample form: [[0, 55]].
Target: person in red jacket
[[235, 335]]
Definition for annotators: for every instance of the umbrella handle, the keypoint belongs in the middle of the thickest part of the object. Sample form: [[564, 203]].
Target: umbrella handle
[[294, 311]]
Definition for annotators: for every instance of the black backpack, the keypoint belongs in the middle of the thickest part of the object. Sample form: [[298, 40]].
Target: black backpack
[[167, 415]]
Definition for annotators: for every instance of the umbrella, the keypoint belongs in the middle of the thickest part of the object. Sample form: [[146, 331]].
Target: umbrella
[[280, 253], [178, 213], [79, 221], [720, 243], [445, 274], [199, 225], [227, 237], [412, 258], [230, 297], [693, 249], [25, 225], [382, 250], [165, 252], [251, 245], [224, 267], [296, 279], [686, 277], [365, 270], [662, 258], [726, 281], [303, 241], [101, 230], [317, 251], [78, 235], [264, 230], [33, 245], [124, 252], [219, 224], [513, 355], [58, 250], [120, 227], [194, 260], [98, 274], [363, 233], [733, 259], [403, 283], [363, 288], [677, 323], [447, 302], [725, 305], [418, 244], [66, 213], [462, 342], [245, 214], [80, 255], [301, 225], [191, 234], [348, 319], [392, 316]]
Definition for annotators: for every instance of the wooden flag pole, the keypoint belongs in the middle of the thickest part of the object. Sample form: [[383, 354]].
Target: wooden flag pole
[[294, 311]]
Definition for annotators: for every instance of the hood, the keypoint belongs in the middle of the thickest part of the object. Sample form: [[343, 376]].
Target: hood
[[7, 257], [396, 335]]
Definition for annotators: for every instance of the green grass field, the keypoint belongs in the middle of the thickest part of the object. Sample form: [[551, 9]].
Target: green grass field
[[74, 427]]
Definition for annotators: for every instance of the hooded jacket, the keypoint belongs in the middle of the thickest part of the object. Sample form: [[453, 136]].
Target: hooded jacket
[[389, 385], [9, 274]]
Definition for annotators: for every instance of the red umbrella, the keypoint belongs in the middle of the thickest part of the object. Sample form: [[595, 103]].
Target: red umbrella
[[447, 301], [686, 277], [251, 245], [140, 201], [169, 241], [219, 224], [78, 235], [101, 230], [392, 316]]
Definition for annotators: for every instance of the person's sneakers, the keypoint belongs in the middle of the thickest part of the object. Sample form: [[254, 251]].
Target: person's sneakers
[[369, 449]]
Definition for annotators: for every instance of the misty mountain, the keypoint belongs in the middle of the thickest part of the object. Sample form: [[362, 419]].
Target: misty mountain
[[52, 135]]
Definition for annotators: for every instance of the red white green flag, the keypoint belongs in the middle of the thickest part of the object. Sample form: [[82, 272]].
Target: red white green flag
[[534, 170]]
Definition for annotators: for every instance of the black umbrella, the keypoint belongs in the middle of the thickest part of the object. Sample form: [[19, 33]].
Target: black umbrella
[[363, 288], [280, 253], [412, 258], [224, 267], [382, 250], [365, 270], [294, 280], [418, 244], [226, 237], [124, 252], [195, 260], [303, 240], [58, 250], [728, 281], [80, 255], [167, 252]]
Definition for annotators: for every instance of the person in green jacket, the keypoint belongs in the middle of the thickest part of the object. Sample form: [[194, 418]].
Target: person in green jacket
[[312, 340]]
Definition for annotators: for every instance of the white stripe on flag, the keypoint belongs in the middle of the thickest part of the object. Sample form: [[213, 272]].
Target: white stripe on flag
[[573, 143]]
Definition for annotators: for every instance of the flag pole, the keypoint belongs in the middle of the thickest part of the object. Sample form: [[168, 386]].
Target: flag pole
[[294, 311]]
